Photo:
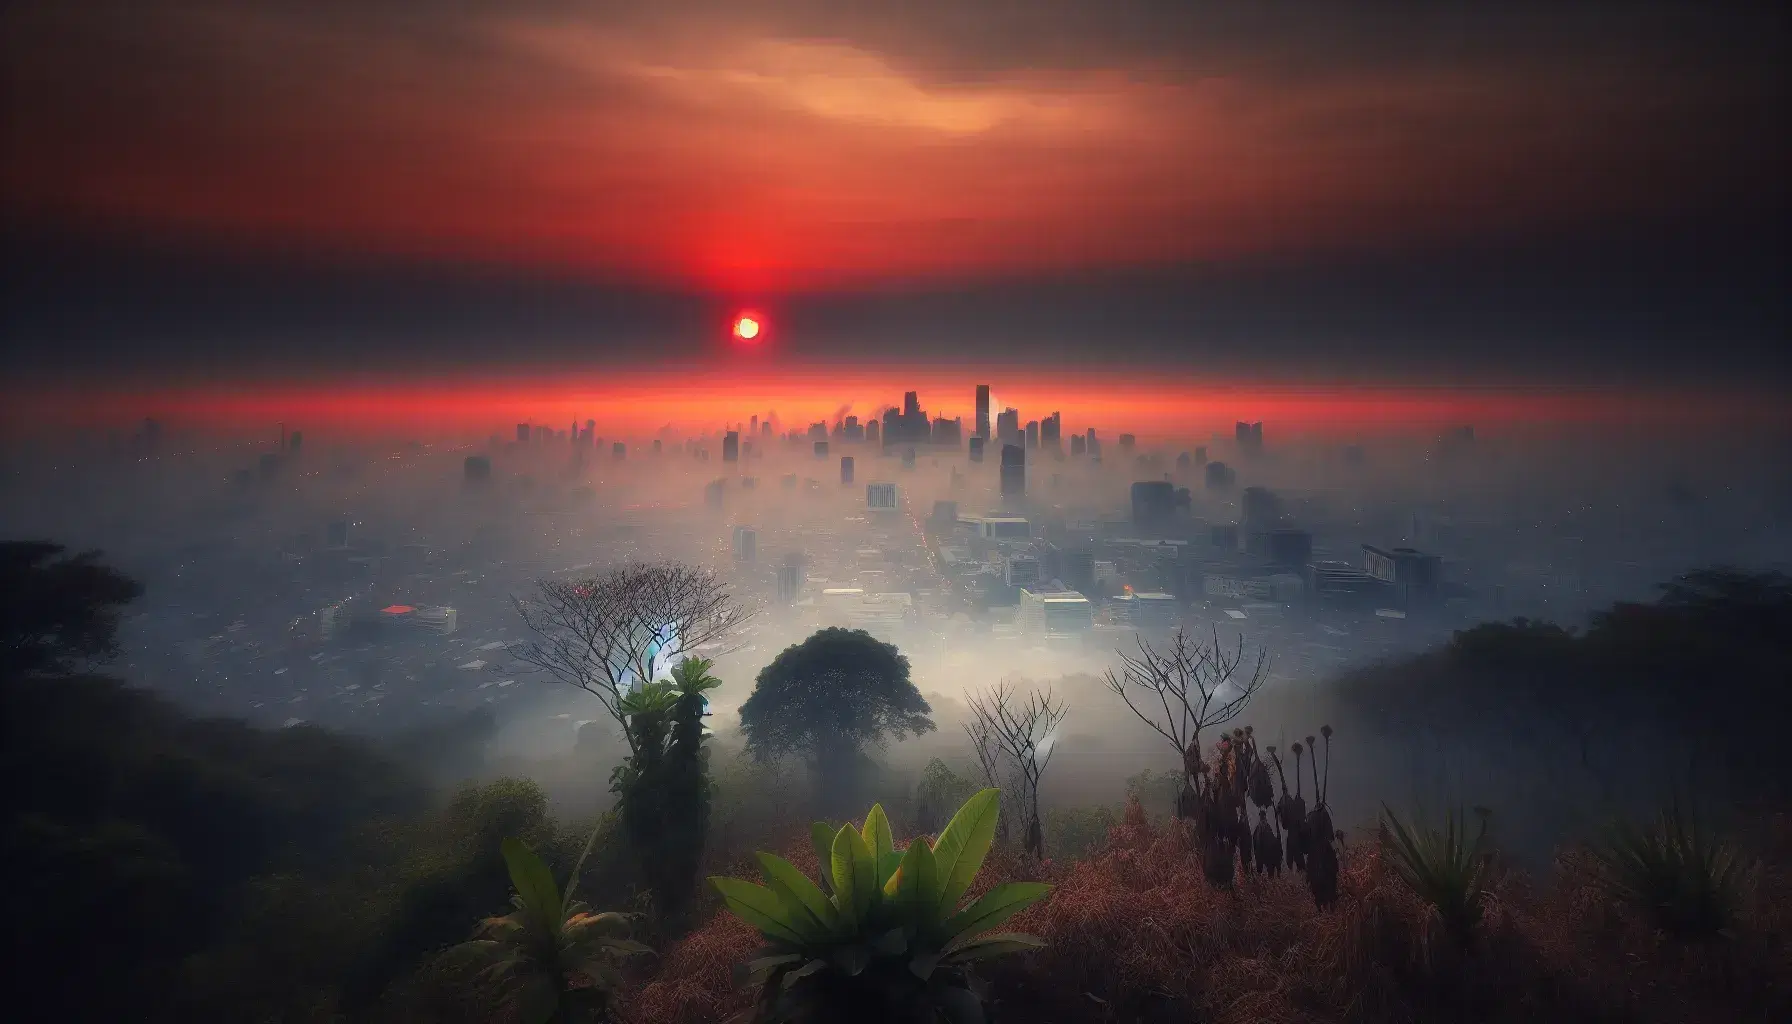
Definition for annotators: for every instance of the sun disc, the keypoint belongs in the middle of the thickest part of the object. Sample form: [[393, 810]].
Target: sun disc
[[746, 328]]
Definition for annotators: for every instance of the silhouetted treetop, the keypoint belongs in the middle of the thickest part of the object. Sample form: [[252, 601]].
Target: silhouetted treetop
[[838, 686], [57, 611]]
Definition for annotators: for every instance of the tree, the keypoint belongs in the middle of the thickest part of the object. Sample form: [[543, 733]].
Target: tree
[[1014, 740], [56, 612], [828, 697], [665, 792], [611, 633], [548, 960], [1190, 686]]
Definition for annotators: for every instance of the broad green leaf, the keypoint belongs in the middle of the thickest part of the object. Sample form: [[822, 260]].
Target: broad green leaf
[[840, 863], [754, 972], [922, 965], [795, 889], [852, 958], [963, 845], [917, 893], [802, 972], [995, 945], [997, 905], [533, 881], [883, 846], [854, 876], [759, 907], [822, 836]]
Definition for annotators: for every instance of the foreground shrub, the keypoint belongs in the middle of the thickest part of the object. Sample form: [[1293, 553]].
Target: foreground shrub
[[1444, 868], [1681, 879], [548, 960], [888, 940]]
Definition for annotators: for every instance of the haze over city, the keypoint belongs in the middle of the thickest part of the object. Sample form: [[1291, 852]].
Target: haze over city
[[447, 445]]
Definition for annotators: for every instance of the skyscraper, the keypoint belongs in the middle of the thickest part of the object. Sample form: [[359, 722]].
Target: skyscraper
[[976, 448], [1014, 471], [1008, 427], [1032, 433], [982, 411], [522, 433], [1050, 432], [731, 446], [846, 469]]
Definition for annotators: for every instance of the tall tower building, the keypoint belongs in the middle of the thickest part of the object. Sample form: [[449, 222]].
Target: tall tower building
[[731, 446], [846, 465], [1014, 471], [983, 411]]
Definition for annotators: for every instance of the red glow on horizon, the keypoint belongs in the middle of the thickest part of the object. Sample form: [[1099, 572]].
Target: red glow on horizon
[[691, 400]]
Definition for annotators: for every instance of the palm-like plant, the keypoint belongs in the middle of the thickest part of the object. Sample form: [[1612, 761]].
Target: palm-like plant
[[887, 939], [549, 959], [1444, 867], [1689, 883], [692, 676]]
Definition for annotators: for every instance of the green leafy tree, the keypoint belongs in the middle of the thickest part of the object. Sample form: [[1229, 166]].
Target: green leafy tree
[[664, 787], [548, 960], [883, 937], [826, 699], [56, 611]]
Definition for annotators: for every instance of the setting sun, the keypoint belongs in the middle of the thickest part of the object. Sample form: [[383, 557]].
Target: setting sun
[[746, 328]]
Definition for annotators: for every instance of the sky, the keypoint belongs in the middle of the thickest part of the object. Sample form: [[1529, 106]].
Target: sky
[[203, 194]]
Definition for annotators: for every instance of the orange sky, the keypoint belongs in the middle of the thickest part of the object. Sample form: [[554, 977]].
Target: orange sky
[[694, 401], [764, 146]]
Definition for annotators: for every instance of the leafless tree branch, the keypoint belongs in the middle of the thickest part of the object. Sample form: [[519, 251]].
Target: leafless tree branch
[[1189, 680], [1018, 733], [603, 633]]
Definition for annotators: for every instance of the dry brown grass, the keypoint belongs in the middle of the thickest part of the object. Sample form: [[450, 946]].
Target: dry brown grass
[[1137, 935]]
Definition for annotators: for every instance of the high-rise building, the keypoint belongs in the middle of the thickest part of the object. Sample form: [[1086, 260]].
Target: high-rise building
[[1153, 505], [846, 469], [976, 448], [753, 426], [1127, 442], [1008, 427], [1219, 476], [522, 433], [1021, 571], [619, 451], [821, 449], [1201, 455], [1077, 444], [790, 579], [871, 432], [1032, 433], [1051, 432], [1259, 508], [1014, 471], [982, 411], [656, 446], [731, 446], [713, 493], [746, 543], [1249, 436], [947, 431], [478, 469]]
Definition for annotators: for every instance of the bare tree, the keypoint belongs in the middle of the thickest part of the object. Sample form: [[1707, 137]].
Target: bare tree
[[605, 633], [1190, 685], [1019, 734]]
